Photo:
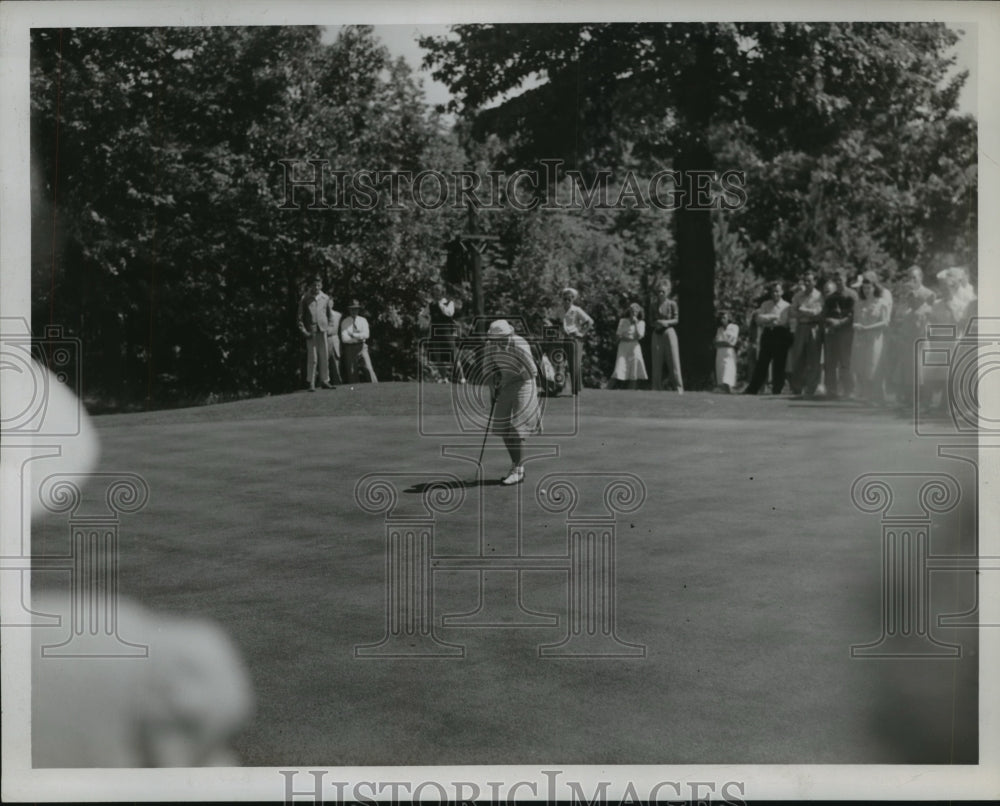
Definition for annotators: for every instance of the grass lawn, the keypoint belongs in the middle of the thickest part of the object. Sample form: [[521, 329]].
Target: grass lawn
[[747, 575]]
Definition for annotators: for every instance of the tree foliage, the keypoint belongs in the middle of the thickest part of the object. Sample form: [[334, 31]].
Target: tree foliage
[[842, 129], [160, 239], [157, 161]]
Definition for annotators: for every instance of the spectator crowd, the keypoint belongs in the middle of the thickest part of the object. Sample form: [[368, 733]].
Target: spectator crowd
[[840, 335], [334, 342], [855, 338]]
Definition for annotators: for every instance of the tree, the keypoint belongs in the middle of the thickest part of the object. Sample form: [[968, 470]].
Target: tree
[[158, 161], [658, 92]]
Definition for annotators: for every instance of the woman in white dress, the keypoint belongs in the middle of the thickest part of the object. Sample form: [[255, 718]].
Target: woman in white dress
[[663, 348], [629, 365], [726, 338]]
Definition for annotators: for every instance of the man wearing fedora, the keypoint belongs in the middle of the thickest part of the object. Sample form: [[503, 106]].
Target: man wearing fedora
[[354, 335], [316, 321], [511, 369]]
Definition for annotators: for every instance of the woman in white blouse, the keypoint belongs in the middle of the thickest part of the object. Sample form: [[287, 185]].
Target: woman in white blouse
[[664, 349], [629, 364]]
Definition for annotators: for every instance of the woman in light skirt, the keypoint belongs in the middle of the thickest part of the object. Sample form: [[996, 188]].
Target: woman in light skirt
[[629, 364], [726, 338], [511, 370]]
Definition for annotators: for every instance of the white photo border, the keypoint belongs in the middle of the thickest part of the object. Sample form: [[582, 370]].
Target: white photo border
[[897, 782]]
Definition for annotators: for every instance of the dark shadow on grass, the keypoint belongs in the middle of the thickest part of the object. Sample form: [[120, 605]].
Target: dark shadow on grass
[[816, 400], [829, 404], [838, 403], [423, 487]]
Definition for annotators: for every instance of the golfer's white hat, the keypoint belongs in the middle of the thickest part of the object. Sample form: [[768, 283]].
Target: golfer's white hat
[[500, 328]]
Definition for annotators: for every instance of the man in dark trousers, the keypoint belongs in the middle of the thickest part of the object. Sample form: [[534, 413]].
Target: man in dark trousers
[[772, 318], [838, 337], [315, 321], [805, 315]]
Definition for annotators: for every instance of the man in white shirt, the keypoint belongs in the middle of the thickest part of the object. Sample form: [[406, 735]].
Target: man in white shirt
[[772, 318], [354, 335], [806, 312], [576, 323]]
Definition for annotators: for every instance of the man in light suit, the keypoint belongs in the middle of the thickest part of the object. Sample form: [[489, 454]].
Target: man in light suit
[[315, 322], [354, 335]]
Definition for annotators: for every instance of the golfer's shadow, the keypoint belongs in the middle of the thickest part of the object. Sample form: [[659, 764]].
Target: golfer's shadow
[[423, 487]]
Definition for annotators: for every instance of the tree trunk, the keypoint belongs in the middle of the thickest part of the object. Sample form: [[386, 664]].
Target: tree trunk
[[695, 277], [291, 376]]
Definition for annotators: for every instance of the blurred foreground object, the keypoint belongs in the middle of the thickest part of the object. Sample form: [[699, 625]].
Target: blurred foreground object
[[180, 707]]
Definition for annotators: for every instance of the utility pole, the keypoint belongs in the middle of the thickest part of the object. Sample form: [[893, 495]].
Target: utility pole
[[465, 263], [476, 245]]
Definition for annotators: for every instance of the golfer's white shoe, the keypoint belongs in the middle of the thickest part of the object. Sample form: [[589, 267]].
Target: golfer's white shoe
[[516, 476]]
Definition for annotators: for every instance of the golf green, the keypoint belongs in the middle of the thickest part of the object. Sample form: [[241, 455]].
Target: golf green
[[746, 574]]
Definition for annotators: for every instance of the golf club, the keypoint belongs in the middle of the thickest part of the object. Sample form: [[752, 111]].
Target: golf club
[[486, 434]]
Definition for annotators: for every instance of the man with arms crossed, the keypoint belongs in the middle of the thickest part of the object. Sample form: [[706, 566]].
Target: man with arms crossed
[[807, 312], [838, 337], [354, 335]]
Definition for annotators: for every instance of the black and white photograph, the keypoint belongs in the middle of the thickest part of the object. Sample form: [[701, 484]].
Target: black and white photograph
[[407, 402]]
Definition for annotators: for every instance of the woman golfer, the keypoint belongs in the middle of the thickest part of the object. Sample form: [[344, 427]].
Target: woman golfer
[[516, 414]]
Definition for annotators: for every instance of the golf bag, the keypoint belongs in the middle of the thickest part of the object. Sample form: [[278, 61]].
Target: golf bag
[[551, 378]]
